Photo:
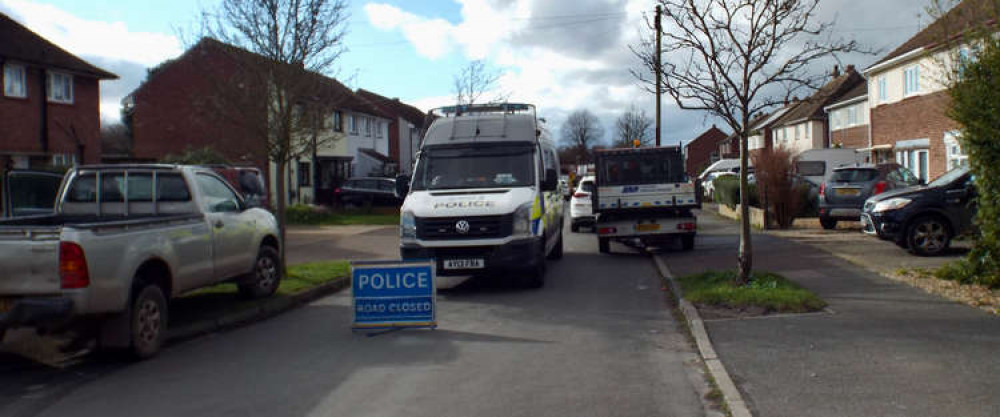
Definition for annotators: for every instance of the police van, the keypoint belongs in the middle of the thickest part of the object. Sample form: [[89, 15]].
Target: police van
[[485, 194]]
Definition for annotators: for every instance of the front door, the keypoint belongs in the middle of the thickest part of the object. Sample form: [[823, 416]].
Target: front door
[[232, 229]]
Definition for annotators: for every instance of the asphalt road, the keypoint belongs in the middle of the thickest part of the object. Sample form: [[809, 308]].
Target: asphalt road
[[597, 340]]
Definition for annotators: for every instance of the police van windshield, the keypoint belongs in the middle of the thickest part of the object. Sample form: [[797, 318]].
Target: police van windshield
[[475, 166]]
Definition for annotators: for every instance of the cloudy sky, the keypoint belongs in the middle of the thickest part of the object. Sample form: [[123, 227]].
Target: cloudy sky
[[559, 54]]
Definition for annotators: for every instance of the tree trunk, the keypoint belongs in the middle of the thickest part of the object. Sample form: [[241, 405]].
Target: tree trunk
[[746, 248], [280, 166]]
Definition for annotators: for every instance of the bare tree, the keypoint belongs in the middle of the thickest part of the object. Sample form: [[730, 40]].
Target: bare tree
[[736, 59], [582, 130], [631, 126], [280, 85], [475, 80]]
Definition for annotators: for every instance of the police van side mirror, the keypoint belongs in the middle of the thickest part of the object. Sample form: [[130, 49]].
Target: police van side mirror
[[402, 186], [551, 181]]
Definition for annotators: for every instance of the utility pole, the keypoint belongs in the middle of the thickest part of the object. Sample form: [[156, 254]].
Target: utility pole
[[659, 29]]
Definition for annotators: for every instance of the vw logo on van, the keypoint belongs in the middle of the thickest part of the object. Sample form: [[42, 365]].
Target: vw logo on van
[[462, 227]]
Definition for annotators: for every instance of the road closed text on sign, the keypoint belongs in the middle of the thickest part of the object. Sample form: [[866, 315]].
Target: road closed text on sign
[[393, 294]]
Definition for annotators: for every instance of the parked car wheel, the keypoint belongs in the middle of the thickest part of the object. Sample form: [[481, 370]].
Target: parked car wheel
[[604, 245], [687, 242], [266, 275], [928, 236], [573, 227], [828, 223], [148, 321]]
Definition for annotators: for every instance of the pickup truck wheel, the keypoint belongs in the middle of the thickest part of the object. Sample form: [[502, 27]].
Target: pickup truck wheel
[[266, 275], [604, 245], [149, 321], [687, 242], [928, 236]]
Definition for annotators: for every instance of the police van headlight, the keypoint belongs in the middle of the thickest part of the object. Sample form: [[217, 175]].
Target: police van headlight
[[522, 220], [407, 225]]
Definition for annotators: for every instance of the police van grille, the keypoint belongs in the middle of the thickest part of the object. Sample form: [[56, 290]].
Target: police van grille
[[480, 227]]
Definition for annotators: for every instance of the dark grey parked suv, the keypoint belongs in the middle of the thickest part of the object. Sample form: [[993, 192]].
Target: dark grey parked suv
[[842, 196]]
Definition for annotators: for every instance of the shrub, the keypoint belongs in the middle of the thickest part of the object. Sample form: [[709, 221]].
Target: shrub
[[808, 200], [974, 96], [774, 175], [727, 190], [965, 272], [304, 214]]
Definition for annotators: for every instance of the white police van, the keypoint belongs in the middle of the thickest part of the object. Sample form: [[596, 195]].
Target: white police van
[[484, 196]]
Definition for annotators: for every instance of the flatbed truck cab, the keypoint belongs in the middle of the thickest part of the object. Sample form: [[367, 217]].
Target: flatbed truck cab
[[644, 195], [484, 196]]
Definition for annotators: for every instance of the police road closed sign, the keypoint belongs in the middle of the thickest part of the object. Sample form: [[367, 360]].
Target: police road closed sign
[[393, 294]]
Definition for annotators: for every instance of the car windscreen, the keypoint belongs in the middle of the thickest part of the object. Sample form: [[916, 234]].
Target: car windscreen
[[810, 168], [854, 175], [949, 177], [475, 166]]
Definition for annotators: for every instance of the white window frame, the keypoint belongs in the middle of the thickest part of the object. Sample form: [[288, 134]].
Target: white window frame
[[9, 89], [64, 96], [353, 124], [366, 126], [63, 159], [954, 154], [378, 128], [910, 159], [852, 116], [798, 132], [911, 80], [883, 89]]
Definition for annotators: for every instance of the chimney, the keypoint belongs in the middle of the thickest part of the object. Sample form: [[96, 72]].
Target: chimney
[[850, 68], [836, 71]]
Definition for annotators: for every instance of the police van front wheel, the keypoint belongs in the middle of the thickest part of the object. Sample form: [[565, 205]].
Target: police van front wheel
[[557, 251], [535, 277]]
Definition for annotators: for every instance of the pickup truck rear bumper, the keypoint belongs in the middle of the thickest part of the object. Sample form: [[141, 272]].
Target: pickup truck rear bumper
[[34, 311]]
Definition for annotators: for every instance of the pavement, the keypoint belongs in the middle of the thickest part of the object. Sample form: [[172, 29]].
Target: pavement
[[881, 349], [598, 340], [321, 243]]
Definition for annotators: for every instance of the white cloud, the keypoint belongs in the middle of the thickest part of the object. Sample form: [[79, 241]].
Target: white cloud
[[432, 38]]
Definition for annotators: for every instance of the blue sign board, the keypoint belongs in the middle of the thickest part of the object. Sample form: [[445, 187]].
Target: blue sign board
[[393, 294]]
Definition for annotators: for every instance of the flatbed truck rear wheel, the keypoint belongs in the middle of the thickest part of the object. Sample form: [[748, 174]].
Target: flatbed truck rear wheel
[[687, 242], [604, 244]]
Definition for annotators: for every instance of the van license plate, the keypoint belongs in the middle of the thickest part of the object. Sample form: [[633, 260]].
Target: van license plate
[[476, 263], [651, 227]]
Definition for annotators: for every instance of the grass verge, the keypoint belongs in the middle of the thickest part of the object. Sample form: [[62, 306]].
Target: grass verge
[[320, 216], [766, 290], [218, 300]]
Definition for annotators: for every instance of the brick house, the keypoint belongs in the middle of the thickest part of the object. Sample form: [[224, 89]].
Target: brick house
[[703, 150], [49, 110], [405, 128], [908, 95], [180, 107], [848, 120], [804, 125]]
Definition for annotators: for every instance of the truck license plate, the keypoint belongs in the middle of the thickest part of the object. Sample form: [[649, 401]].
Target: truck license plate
[[848, 191], [650, 227], [476, 263]]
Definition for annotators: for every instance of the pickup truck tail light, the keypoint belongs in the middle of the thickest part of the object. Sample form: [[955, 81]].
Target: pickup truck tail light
[[879, 187], [581, 194], [73, 266]]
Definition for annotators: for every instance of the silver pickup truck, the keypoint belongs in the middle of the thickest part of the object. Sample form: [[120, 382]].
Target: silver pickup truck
[[124, 240]]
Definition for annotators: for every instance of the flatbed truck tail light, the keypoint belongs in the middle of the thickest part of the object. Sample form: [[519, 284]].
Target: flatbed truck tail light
[[73, 271], [581, 195], [606, 230], [687, 226]]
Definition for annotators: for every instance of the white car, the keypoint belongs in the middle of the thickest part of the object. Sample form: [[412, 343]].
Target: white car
[[580, 211], [708, 184]]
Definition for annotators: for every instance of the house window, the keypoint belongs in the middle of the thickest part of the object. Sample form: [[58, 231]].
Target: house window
[[883, 89], [60, 87], [912, 80], [352, 123], [852, 116], [63, 159], [366, 125], [338, 121], [835, 119], [14, 83], [304, 174], [378, 129], [798, 131], [953, 151]]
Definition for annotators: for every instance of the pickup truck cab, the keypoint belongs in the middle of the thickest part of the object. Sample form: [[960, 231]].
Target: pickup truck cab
[[485, 194], [124, 240]]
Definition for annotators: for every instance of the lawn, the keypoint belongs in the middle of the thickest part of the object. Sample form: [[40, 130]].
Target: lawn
[[221, 299], [306, 215], [766, 290]]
